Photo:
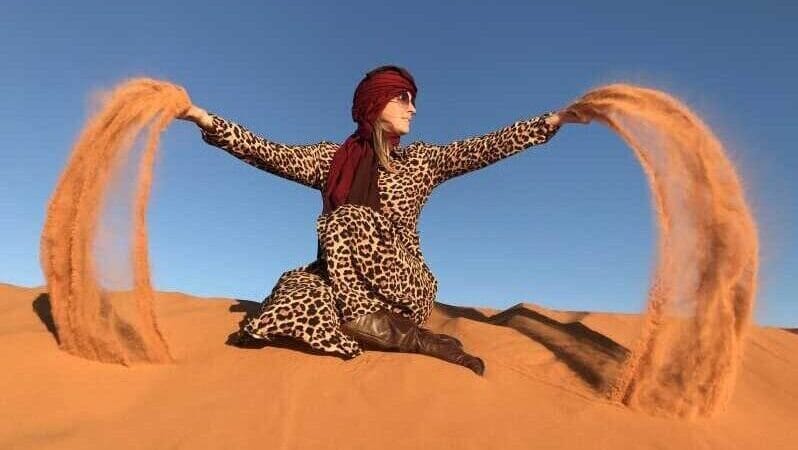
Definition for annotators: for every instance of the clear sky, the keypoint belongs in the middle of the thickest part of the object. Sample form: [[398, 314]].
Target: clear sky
[[567, 225]]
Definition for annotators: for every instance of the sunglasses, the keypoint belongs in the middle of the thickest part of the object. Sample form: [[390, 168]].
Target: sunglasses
[[405, 98]]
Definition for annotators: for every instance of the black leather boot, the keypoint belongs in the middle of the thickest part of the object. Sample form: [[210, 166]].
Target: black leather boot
[[385, 330]]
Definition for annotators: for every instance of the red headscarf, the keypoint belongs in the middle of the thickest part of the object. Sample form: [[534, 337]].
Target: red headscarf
[[353, 172]]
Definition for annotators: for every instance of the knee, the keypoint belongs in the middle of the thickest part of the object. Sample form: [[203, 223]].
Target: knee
[[294, 279], [287, 276], [350, 218], [349, 213]]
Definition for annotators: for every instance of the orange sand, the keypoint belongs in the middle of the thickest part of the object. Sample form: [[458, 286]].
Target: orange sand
[[541, 390], [91, 322], [702, 293]]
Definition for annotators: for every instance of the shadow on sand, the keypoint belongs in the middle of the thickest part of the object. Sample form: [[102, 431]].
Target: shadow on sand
[[43, 309], [592, 356]]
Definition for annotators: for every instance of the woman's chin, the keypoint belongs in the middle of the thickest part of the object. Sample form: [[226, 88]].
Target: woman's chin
[[399, 130]]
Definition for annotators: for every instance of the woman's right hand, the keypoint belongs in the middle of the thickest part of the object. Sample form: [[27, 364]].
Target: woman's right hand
[[570, 115], [197, 115]]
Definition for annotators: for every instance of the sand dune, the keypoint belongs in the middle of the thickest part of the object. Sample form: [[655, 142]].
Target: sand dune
[[546, 372]]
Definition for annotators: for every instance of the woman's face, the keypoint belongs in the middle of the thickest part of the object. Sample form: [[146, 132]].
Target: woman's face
[[398, 112]]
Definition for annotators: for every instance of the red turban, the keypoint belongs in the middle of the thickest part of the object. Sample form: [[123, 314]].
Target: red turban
[[353, 173]]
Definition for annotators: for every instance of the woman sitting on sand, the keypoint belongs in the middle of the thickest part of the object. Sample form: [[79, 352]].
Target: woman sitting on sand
[[369, 285]]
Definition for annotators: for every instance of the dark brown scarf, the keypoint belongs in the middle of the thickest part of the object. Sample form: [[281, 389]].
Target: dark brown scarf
[[353, 174]]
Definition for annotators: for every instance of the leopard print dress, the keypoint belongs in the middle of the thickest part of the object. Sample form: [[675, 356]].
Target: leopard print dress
[[372, 260]]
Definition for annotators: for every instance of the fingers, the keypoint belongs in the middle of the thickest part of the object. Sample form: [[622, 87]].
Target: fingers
[[186, 113], [554, 119], [571, 116], [191, 113]]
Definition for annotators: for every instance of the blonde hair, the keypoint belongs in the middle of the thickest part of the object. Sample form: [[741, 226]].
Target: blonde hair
[[382, 146]]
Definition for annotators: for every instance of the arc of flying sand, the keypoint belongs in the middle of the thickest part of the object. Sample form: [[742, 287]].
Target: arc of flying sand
[[704, 285], [87, 323]]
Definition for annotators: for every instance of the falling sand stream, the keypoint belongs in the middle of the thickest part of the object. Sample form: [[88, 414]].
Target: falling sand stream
[[702, 292], [117, 327]]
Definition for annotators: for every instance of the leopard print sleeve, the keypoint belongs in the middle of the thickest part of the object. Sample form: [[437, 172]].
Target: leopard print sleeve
[[300, 163], [460, 157]]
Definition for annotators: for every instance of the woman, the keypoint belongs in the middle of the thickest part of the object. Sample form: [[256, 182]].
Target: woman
[[369, 285]]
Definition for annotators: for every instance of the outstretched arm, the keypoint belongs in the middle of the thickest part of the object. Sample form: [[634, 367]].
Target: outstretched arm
[[300, 163], [460, 157]]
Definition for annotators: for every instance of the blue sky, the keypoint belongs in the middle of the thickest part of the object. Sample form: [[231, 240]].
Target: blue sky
[[567, 225]]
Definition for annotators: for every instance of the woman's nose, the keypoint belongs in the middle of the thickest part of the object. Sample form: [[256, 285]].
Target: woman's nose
[[412, 108]]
